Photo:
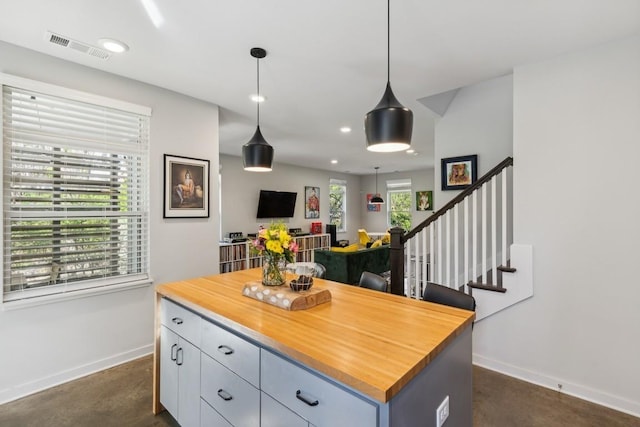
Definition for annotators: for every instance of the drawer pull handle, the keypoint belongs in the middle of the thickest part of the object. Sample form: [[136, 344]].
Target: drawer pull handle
[[173, 356], [299, 396], [177, 320], [225, 350], [179, 353], [224, 395]]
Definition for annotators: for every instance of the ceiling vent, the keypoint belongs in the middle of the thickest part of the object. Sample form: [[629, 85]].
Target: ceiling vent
[[76, 45]]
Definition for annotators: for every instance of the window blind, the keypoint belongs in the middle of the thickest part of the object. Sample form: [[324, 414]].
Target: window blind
[[75, 195]]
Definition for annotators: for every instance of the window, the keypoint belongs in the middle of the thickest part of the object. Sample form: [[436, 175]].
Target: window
[[338, 204], [75, 203], [399, 203]]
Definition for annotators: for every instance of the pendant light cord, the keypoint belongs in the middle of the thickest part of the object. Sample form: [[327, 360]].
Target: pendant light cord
[[258, 99], [388, 41]]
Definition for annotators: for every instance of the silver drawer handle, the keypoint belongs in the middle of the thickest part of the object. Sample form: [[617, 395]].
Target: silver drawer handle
[[225, 349], [299, 396], [224, 395], [177, 320], [174, 357]]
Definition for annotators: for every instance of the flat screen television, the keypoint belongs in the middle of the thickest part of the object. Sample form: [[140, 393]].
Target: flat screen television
[[276, 204]]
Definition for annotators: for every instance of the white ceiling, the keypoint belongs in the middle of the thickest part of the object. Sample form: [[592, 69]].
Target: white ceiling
[[326, 62]]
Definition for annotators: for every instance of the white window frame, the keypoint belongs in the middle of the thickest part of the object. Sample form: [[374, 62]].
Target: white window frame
[[398, 186], [343, 184], [78, 288]]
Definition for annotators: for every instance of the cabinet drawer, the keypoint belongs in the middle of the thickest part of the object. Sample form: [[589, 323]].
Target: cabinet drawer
[[273, 414], [326, 405], [234, 352], [181, 321], [210, 418], [231, 396]]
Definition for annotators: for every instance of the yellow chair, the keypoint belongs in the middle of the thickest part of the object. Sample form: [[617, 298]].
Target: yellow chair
[[351, 248], [363, 237], [376, 244]]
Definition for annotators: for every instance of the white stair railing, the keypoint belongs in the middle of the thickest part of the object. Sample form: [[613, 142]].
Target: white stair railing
[[464, 244]]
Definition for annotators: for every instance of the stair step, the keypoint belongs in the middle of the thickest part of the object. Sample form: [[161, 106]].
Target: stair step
[[506, 269], [477, 285]]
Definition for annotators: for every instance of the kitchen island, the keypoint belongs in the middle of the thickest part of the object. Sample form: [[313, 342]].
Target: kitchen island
[[365, 358]]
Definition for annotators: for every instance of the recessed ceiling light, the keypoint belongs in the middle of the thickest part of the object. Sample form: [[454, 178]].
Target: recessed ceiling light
[[345, 129], [257, 98], [112, 45], [334, 161], [410, 151]]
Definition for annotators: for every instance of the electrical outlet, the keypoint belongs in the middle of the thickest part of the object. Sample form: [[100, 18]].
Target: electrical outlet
[[442, 413]]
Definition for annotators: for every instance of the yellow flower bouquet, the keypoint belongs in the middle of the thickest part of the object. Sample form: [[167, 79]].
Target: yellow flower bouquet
[[277, 248]]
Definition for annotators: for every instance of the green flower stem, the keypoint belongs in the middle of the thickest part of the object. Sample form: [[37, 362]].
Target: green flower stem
[[272, 274]]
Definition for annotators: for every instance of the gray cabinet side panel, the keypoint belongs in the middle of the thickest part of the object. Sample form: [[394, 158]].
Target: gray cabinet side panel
[[449, 374]]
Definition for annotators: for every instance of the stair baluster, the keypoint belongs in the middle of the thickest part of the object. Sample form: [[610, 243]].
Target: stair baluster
[[478, 229]]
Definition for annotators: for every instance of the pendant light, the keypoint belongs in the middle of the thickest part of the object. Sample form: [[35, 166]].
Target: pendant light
[[376, 199], [389, 125], [257, 154]]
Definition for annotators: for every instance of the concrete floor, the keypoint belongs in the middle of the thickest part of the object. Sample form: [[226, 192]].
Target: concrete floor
[[121, 396]]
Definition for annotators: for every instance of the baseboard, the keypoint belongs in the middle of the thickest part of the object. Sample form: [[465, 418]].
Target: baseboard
[[22, 390], [576, 390]]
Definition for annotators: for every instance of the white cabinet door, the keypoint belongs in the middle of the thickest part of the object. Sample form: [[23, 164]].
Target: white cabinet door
[[188, 362], [169, 343], [234, 352], [183, 322], [231, 396], [180, 378]]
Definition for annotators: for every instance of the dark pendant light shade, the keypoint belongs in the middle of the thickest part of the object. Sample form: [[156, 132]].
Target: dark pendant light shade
[[257, 154], [389, 125], [376, 199]]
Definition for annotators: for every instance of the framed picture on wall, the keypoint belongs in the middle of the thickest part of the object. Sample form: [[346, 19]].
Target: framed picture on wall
[[311, 202], [459, 172], [186, 187], [424, 200], [372, 207]]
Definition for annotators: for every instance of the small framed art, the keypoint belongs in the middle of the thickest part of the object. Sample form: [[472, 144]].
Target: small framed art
[[459, 172], [186, 187], [424, 200], [311, 202]]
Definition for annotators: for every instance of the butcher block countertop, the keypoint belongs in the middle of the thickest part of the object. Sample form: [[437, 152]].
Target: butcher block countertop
[[368, 340]]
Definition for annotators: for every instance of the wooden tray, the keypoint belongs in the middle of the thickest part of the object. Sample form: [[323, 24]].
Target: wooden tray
[[284, 297]]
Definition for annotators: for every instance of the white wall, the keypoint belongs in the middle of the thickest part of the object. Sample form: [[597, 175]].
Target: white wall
[[576, 145], [421, 180], [53, 343], [479, 121], [240, 191]]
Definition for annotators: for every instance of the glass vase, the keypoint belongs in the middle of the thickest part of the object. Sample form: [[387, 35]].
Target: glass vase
[[274, 272]]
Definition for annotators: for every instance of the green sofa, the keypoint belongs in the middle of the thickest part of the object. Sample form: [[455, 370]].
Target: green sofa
[[346, 267]]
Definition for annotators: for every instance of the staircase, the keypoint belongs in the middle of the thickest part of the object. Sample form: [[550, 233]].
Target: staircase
[[467, 245]]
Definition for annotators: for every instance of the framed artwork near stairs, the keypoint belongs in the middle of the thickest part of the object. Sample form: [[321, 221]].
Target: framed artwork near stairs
[[459, 172], [424, 200]]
